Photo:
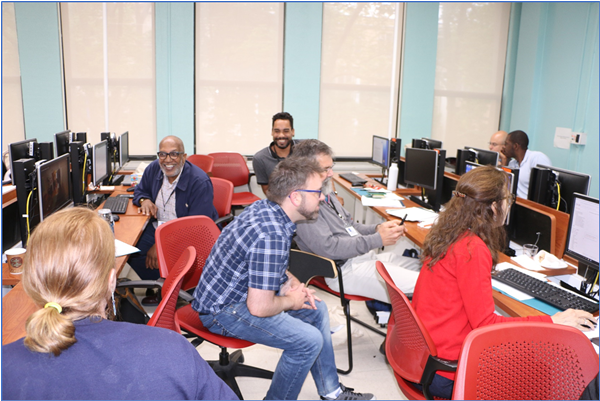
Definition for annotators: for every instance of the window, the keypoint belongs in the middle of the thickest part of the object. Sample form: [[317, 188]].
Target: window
[[109, 66], [471, 53], [239, 63], [359, 60]]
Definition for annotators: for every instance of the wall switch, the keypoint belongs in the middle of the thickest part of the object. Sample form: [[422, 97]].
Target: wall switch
[[578, 138]]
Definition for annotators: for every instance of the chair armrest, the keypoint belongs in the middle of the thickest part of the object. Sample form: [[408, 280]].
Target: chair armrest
[[186, 296], [142, 283], [225, 219], [431, 367]]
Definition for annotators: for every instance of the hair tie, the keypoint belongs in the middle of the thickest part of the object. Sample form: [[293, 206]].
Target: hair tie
[[459, 194], [53, 305]]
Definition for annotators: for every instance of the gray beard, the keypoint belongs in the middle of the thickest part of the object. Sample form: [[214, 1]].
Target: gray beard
[[327, 186]]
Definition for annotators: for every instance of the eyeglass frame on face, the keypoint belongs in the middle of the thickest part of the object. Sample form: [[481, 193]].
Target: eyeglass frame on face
[[173, 154], [330, 168], [317, 191], [494, 144], [512, 198]]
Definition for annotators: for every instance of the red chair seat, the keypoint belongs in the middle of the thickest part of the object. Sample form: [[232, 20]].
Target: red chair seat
[[243, 198], [189, 321]]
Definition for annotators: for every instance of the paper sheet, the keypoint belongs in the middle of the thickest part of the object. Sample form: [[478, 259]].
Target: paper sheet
[[122, 249], [414, 214], [527, 262], [390, 200]]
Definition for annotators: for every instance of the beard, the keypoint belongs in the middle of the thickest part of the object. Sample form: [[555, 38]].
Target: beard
[[305, 212], [327, 186], [283, 145]]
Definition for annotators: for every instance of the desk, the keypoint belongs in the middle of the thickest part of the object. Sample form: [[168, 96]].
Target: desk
[[17, 306], [417, 235]]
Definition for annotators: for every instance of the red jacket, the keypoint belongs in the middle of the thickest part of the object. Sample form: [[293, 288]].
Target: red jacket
[[455, 296]]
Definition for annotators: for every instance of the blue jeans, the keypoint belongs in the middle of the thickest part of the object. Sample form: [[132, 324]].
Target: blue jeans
[[137, 260], [303, 335]]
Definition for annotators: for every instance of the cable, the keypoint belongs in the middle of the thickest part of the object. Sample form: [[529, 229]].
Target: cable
[[558, 203], [27, 212], [83, 174]]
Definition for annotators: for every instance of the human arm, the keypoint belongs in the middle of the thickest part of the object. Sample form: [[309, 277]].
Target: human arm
[[579, 319], [152, 258], [391, 231], [196, 199], [264, 303], [142, 195], [260, 171], [293, 282]]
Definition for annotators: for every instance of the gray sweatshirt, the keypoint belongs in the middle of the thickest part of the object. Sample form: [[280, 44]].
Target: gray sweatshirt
[[327, 236]]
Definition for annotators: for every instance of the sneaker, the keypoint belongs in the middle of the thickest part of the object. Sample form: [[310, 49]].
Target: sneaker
[[349, 394]]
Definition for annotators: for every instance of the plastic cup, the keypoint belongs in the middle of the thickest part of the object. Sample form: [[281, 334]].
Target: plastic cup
[[530, 250], [14, 258]]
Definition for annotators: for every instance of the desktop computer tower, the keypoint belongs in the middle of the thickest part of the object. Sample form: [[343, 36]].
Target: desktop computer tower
[[24, 180], [78, 171]]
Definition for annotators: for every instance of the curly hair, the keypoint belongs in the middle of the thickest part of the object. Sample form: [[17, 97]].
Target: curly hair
[[476, 207]]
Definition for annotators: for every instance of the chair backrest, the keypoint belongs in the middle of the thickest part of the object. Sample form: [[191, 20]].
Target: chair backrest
[[304, 266], [222, 195], [231, 166], [408, 341], [205, 162], [174, 236], [164, 316], [525, 361]]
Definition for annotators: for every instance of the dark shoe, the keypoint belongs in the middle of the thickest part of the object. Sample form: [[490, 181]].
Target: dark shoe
[[150, 292], [349, 394], [150, 301]]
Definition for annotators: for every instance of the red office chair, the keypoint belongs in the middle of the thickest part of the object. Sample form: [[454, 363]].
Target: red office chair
[[525, 361], [201, 232], [408, 346], [298, 262], [164, 316], [232, 166], [205, 162], [222, 197]]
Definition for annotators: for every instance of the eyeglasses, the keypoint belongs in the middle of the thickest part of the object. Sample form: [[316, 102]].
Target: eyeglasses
[[174, 155], [330, 168], [316, 191], [495, 144], [511, 199]]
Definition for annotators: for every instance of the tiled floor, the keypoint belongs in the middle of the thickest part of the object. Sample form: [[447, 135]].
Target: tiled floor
[[370, 374]]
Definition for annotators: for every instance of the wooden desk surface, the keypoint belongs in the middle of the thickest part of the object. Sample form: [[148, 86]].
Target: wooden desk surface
[[417, 235], [17, 306]]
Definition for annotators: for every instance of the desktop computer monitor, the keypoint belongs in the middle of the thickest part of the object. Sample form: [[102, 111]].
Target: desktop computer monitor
[[582, 237], [426, 143], [123, 148], [554, 187], [100, 163], [61, 142], [54, 185], [380, 152], [27, 149], [425, 168], [484, 157]]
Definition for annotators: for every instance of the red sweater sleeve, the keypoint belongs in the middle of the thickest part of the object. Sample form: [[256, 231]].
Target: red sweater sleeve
[[454, 297]]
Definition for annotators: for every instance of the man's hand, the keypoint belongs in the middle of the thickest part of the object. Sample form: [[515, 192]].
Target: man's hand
[[390, 232], [310, 295], [148, 208], [299, 297], [503, 160], [579, 319], [151, 258]]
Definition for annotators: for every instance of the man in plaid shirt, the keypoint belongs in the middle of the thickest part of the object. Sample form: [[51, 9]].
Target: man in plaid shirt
[[246, 291]]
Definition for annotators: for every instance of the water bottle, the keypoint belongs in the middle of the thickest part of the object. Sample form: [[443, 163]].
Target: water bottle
[[393, 177]]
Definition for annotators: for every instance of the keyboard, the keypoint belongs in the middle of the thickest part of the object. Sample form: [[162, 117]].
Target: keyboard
[[355, 180], [116, 204], [555, 296]]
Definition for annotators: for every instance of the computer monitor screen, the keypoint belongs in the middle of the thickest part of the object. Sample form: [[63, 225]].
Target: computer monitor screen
[[54, 185], [27, 149], [124, 148], [380, 154], [554, 187], [61, 142], [100, 163], [421, 167], [484, 157], [582, 241], [470, 166]]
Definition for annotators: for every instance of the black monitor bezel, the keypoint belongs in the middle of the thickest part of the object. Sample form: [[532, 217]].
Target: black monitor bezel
[[407, 168], [12, 148], [580, 258], [62, 134], [485, 152], [40, 184], [121, 160], [98, 180], [373, 161]]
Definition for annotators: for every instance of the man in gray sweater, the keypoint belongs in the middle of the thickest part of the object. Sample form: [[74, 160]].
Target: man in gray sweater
[[335, 235]]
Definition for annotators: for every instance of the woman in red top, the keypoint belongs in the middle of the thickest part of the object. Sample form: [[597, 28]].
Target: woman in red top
[[453, 294]]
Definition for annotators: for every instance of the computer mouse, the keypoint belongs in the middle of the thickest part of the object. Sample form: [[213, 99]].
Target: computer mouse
[[130, 189], [115, 217]]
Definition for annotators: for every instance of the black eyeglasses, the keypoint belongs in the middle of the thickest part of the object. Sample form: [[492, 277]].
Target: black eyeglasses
[[511, 199], [316, 191], [174, 155]]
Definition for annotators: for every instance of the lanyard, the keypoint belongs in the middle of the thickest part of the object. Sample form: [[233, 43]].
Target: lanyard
[[332, 206], [162, 195]]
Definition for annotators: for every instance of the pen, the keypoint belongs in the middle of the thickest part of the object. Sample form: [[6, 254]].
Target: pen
[[403, 219]]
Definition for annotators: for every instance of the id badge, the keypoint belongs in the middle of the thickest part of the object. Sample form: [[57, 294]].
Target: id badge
[[160, 222], [352, 231]]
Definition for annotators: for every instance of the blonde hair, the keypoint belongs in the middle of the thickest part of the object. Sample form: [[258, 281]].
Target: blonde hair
[[68, 261]]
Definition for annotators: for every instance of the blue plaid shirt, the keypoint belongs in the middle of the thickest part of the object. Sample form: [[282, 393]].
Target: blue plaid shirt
[[252, 251]]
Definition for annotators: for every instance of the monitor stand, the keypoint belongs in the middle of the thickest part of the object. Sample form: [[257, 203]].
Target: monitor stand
[[383, 180], [420, 201]]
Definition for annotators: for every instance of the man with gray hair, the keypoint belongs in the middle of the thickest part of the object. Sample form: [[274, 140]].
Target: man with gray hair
[[247, 292], [171, 187], [335, 235]]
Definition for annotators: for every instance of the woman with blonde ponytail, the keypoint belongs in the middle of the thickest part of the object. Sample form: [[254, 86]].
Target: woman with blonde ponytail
[[72, 350]]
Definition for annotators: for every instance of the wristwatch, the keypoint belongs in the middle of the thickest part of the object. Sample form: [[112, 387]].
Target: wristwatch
[[142, 200]]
